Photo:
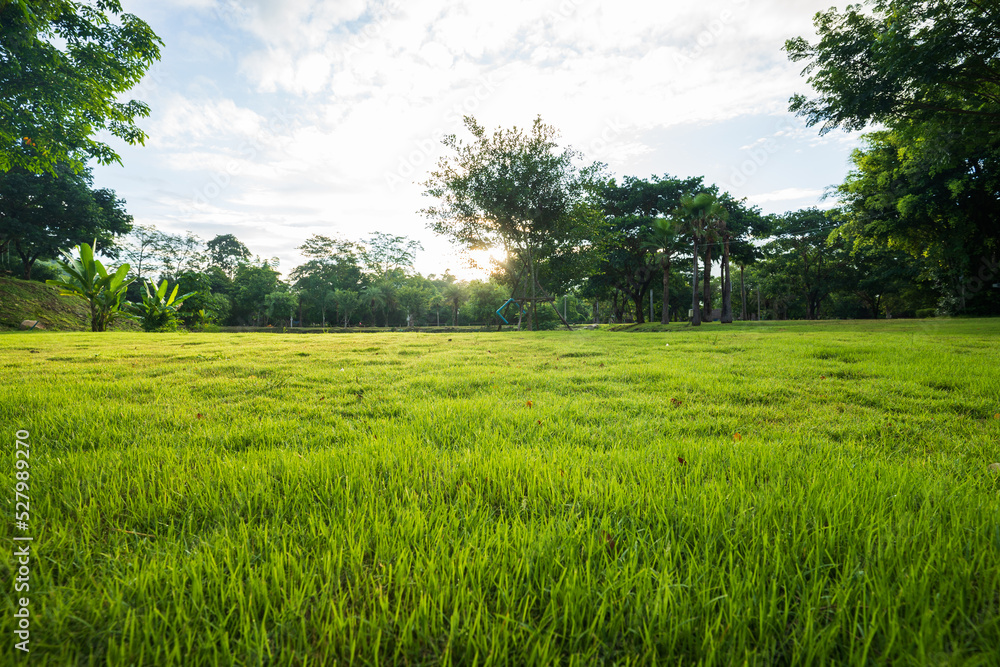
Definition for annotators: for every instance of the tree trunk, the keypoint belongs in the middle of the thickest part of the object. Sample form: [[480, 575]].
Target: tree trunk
[[665, 317], [727, 287], [639, 311], [743, 297], [695, 308], [707, 285]]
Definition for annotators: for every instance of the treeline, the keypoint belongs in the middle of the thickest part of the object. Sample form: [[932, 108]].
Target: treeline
[[634, 254]]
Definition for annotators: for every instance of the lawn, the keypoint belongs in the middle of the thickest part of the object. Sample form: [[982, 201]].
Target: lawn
[[777, 493]]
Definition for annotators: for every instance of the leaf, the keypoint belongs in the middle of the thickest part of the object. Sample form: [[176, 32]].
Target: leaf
[[680, 459]]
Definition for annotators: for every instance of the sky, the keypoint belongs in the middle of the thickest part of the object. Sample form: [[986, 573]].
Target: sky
[[276, 120]]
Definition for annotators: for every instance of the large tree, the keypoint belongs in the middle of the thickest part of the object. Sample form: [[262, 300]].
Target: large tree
[[927, 74], [385, 254], [43, 214], [64, 65], [252, 284], [910, 60], [912, 190], [801, 262], [626, 261], [226, 252], [515, 189], [331, 264]]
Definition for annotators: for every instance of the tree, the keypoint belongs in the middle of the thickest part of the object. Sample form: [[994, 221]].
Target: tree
[[621, 241], [179, 254], [202, 305], [909, 60], [384, 254], [63, 67], [513, 189], [374, 298], [698, 213], [226, 252], [252, 284], [455, 294], [415, 299], [140, 249], [912, 189], [42, 213], [87, 278], [801, 261], [484, 299], [666, 239], [332, 264], [927, 72], [348, 303], [279, 302]]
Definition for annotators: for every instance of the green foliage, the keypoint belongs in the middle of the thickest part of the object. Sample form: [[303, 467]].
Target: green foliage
[[279, 303], [87, 278], [926, 182], [513, 189], [483, 299], [159, 310], [415, 300], [226, 252], [348, 303], [251, 285], [386, 255], [906, 60], [332, 264], [42, 213], [64, 65]]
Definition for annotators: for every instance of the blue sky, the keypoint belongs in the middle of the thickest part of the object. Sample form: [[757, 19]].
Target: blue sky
[[274, 120]]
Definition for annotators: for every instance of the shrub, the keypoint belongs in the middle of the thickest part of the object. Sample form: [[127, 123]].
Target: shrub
[[158, 312]]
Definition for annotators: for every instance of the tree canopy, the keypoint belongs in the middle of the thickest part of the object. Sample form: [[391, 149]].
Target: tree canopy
[[63, 66], [914, 60], [44, 214]]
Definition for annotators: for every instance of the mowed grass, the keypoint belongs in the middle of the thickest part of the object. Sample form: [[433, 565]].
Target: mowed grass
[[781, 493]]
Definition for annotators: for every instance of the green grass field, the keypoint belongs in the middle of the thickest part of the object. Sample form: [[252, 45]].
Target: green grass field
[[769, 494]]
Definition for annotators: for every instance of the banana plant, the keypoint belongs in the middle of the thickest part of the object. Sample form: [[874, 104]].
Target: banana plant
[[88, 279], [158, 311]]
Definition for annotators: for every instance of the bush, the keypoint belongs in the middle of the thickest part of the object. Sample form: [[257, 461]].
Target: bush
[[926, 312], [158, 311]]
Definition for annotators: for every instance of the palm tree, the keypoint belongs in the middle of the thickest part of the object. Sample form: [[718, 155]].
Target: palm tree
[[455, 294], [375, 298], [665, 237], [727, 284], [701, 215], [688, 213], [709, 239]]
